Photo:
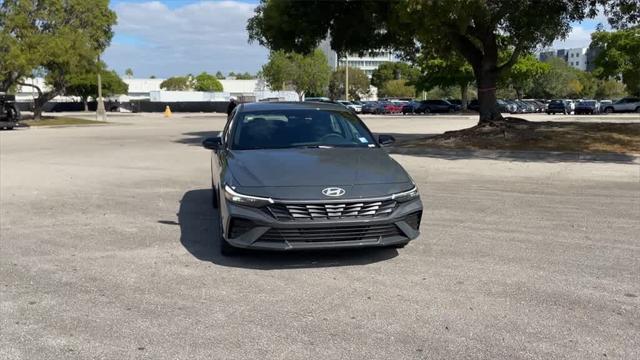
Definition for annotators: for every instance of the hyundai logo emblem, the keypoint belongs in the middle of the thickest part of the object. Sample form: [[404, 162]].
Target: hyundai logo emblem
[[333, 191]]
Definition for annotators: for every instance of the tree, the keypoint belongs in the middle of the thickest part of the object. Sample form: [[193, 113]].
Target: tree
[[86, 85], [521, 77], [609, 89], [128, 73], [619, 56], [207, 82], [302, 73], [358, 83], [152, 77], [454, 71], [397, 89], [57, 37], [176, 83], [477, 30], [394, 71], [245, 76], [219, 75]]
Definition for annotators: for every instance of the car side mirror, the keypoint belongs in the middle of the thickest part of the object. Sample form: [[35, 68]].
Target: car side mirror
[[212, 143], [385, 140]]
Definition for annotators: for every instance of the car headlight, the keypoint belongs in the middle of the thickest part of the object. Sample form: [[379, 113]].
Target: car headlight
[[247, 200], [406, 195]]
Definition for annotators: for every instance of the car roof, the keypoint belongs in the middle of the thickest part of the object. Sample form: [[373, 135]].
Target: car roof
[[291, 105]]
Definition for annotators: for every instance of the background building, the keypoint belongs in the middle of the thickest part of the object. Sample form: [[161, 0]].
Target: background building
[[366, 63], [577, 58]]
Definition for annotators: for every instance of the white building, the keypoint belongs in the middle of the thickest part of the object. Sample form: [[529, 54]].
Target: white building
[[367, 63], [149, 89], [577, 58]]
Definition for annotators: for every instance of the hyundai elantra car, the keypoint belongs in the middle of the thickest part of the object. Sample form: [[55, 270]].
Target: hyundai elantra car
[[306, 175]]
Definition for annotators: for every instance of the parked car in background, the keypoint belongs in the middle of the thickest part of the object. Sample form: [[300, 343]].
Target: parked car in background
[[373, 107], [355, 107], [437, 106], [474, 105], [391, 108], [604, 104], [410, 107], [318, 99], [571, 105], [629, 104], [9, 112], [587, 107], [558, 106]]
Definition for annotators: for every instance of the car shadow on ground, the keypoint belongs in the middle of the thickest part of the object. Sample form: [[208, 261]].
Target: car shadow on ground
[[198, 234]]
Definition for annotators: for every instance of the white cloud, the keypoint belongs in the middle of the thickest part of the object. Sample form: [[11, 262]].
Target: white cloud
[[154, 39], [578, 37]]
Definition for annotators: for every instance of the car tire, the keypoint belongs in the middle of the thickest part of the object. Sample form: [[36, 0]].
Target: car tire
[[608, 110], [427, 110], [638, 109]]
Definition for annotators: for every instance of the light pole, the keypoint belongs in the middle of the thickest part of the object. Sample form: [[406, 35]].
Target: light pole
[[101, 113], [346, 77]]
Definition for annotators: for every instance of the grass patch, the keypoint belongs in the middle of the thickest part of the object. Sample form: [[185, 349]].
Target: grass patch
[[60, 121], [621, 138]]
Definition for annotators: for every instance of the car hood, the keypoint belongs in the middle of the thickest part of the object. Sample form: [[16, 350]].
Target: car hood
[[304, 173]]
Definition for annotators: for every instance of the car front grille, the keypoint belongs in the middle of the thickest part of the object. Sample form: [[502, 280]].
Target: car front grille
[[325, 234], [318, 211]]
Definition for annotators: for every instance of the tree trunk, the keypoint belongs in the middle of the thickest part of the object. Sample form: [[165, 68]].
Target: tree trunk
[[85, 101], [487, 80], [518, 93], [464, 96], [301, 96]]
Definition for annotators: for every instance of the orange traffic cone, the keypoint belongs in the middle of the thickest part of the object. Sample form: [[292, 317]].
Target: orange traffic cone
[[167, 112]]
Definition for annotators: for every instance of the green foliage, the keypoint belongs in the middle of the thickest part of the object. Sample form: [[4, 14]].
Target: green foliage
[[85, 85], [245, 76], [219, 75], [206, 82], [358, 83], [397, 89], [394, 71], [152, 77], [610, 89], [524, 73], [445, 73], [619, 56], [302, 73], [128, 73], [60, 37], [176, 83], [476, 30]]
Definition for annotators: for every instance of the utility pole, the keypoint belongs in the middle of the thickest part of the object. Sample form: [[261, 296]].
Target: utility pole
[[346, 77], [101, 113]]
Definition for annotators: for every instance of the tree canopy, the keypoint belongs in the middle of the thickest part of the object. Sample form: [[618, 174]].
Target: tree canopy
[[394, 71], [56, 37], [85, 85], [619, 56], [444, 73], [358, 83], [397, 89], [524, 73], [477, 30], [206, 82], [302, 73], [176, 83]]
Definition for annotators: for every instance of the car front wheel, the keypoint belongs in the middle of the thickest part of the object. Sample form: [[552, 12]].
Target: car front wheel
[[608, 110]]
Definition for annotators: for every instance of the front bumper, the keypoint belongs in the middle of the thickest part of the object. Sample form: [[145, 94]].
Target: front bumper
[[256, 228]]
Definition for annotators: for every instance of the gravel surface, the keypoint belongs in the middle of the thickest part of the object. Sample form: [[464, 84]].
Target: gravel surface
[[107, 252]]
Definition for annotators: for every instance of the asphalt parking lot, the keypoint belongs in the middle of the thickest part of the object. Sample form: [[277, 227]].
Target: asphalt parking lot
[[106, 252]]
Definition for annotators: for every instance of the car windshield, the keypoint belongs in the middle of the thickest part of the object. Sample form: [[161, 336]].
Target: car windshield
[[587, 103], [279, 129]]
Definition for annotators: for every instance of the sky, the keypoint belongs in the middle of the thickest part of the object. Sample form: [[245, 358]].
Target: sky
[[177, 37]]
